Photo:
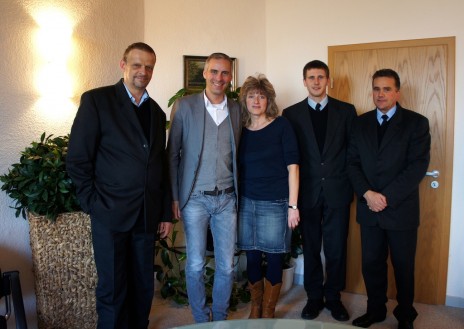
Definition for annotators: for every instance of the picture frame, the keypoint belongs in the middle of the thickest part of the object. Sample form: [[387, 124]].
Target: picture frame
[[193, 73]]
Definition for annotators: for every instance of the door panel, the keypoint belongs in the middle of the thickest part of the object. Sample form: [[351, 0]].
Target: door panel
[[426, 70]]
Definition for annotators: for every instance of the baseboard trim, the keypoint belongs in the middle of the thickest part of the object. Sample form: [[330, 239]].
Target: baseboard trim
[[454, 301]]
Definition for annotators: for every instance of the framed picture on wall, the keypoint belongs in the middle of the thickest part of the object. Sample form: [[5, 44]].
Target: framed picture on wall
[[193, 73]]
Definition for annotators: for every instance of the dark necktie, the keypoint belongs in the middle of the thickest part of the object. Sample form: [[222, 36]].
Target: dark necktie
[[384, 120], [318, 107], [382, 128]]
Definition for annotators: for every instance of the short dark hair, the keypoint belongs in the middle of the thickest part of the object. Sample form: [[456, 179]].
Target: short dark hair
[[316, 64], [139, 46], [217, 56], [262, 85], [388, 73]]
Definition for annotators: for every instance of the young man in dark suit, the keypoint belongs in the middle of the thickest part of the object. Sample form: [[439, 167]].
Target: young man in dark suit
[[117, 160], [322, 125], [388, 156]]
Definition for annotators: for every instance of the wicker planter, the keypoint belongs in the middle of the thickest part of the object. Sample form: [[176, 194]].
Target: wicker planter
[[64, 271]]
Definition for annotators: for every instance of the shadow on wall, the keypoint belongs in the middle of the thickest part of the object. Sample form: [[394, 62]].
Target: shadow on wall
[[11, 260]]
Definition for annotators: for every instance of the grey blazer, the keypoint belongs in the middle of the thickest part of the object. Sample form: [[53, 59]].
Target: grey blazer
[[185, 143]]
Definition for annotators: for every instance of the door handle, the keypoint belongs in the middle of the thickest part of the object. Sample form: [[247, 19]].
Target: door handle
[[433, 173]]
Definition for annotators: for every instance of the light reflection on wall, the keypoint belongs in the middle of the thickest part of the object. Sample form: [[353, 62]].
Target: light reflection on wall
[[53, 79]]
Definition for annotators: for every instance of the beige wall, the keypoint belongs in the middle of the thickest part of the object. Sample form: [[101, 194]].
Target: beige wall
[[177, 27], [101, 31], [277, 37]]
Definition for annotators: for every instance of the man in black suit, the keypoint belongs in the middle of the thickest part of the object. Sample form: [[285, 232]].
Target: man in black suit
[[118, 162], [388, 156], [322, 125]]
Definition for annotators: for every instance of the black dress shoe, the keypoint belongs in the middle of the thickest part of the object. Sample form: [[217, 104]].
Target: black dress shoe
[[405, 325], [364, 321], [337, 310], [312, 309]]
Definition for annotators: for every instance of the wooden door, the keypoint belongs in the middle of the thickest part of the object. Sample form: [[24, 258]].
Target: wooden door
[[426, 70]]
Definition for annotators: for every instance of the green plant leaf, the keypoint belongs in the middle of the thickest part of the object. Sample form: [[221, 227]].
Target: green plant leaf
[[166, 259], [39, 182], [163, 243], [181, 300], [209, 271], [179, 94], [166, 291], [157, 268]]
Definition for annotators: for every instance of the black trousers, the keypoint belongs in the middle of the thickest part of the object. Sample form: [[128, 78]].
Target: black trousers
[[125, 288], [376, 244], [325, 227]]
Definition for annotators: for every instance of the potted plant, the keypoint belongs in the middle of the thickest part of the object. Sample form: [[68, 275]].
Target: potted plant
[[60, 236], [171, 273], [296, 246], [39, 183], [296, 249]]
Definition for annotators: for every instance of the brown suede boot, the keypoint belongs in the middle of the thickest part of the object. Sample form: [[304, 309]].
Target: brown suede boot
[[256, 291], [271, 295]]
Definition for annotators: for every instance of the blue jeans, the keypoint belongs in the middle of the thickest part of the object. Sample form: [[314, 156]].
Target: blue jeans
[[220, 213]]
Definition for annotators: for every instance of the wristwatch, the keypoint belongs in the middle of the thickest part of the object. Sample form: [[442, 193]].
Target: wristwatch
[[294, 207]]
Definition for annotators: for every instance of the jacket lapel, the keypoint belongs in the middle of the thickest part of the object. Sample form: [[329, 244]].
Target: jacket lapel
[[370, 132], [393, 128], [127, 110], [235, 122], [310, 136], [199, 117], [155, 126], [333, 122]]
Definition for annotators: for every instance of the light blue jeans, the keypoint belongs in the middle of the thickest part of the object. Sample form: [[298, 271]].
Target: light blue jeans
[[220, 212]]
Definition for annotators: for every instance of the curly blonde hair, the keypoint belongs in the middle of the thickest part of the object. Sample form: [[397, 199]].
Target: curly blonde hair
[[262, 85]]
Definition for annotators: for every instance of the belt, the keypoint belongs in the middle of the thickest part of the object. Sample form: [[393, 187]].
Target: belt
[[217, 192]]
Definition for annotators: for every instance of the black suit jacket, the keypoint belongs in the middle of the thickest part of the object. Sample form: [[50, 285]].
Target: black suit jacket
[[115, 168], [393, 168], [323, 173]]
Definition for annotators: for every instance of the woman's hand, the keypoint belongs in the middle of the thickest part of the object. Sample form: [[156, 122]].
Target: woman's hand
[[293, 218]]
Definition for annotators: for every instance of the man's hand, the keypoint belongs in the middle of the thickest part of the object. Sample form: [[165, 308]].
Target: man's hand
[[164, 228], [175, 210], [375, 201]]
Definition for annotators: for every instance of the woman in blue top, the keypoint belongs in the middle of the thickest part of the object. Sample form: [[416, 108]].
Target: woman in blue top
[[268, 183]]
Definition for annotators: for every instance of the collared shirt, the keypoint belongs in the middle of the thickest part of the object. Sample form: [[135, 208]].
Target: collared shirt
[[390, 113], [218, 112], [145, 96], [323, 103]]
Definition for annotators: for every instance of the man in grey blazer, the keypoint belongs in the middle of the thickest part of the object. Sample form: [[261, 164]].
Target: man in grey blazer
[[322, 125], [388, 156], [202, 151]]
